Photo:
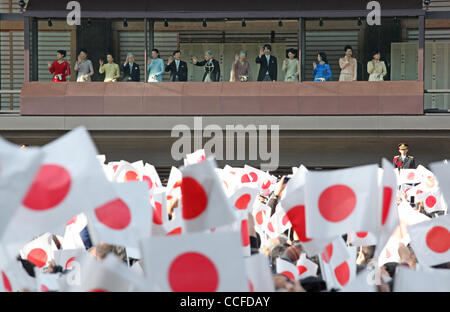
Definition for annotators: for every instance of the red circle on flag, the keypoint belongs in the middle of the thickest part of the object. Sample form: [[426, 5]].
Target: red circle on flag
[[114, 214], [177, 184], [302, 269], [49, 188], [38, 257], [288, 275], [250, 286], [175, 231], [431, 182], [194, 198], [361, 234], [297, 217], [149, 181], [387, 197], [259, 217], [44, 288], [72, 221], [337, 202], [131, 176], [115, 167], [430, 201], [6, 283], [266, 185], [193, 272], [438, 239], [157, 213], [328, 253], [410, 176], [242, 202], [270, 227], [245, 179], [342, 273], [98, 290], [244, 233], [285, 219], [69, 263], [254, 176]]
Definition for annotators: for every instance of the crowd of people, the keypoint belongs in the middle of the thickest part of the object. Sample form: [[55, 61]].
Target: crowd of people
[[267, 230], [240, 72]]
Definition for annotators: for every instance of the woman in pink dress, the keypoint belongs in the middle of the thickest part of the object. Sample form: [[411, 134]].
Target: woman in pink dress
[[348, 66], [59, 68]]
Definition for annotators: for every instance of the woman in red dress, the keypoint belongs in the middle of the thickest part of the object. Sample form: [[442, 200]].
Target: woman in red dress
[[60, 68]]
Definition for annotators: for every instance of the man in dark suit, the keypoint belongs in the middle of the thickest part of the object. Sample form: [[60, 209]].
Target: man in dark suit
[[403, 161], [131, 71], [268, 69], [177, 68], [212, 67]]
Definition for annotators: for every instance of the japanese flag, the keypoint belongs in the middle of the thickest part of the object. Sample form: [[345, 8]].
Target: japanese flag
[[124, 220], [442, 172], [428, 180], [361, 239], [72, 238], [293, 204], [204, 202], [341, 201], [39, 251], [69, 181], [200, 262], [338, 265], [387, 209], [287, 269], [150, 176], [175, 226], [431, 280], [126, 172], [13, 277], [433, 202], [430, 240], [409, 176], [17, 170], [47, 282], [158, 203], [252, 176], [258, 274], [195, 158], [173, 189], [261, 215], [66, 258], [362, 283], [243, 199], [306, 267], [109, 275]]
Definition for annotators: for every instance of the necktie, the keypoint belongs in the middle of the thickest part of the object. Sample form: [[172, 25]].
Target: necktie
[[131, 68]]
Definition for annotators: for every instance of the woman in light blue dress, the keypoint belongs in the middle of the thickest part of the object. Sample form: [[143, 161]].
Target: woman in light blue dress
[[155, 67]]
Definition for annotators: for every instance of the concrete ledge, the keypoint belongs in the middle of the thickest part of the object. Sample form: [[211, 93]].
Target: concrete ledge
[[222, 98]]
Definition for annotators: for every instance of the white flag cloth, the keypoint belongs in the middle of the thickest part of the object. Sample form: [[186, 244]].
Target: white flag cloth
[[341, 201], [361, 239], [200, 262], [287, 268], [409, 176], [13, 277], [150, 176], [432, 280], [39, 251], [195, 158], [66, 258], [47, 282], [387, 209], [69, 181], [338, 274], [428, 179], [430, 240], [363, 282], [109, 275], [17, 170], [204, 202], [124, 220], [258, 274], [306, 267], [126, 172]]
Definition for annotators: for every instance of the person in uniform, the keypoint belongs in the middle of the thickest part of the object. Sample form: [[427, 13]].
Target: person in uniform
[[403, 161]]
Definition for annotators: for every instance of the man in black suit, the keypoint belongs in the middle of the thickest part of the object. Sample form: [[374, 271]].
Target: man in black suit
[[403, 161], [212, 67], [177, 68], [268, 69], [131, 71]]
